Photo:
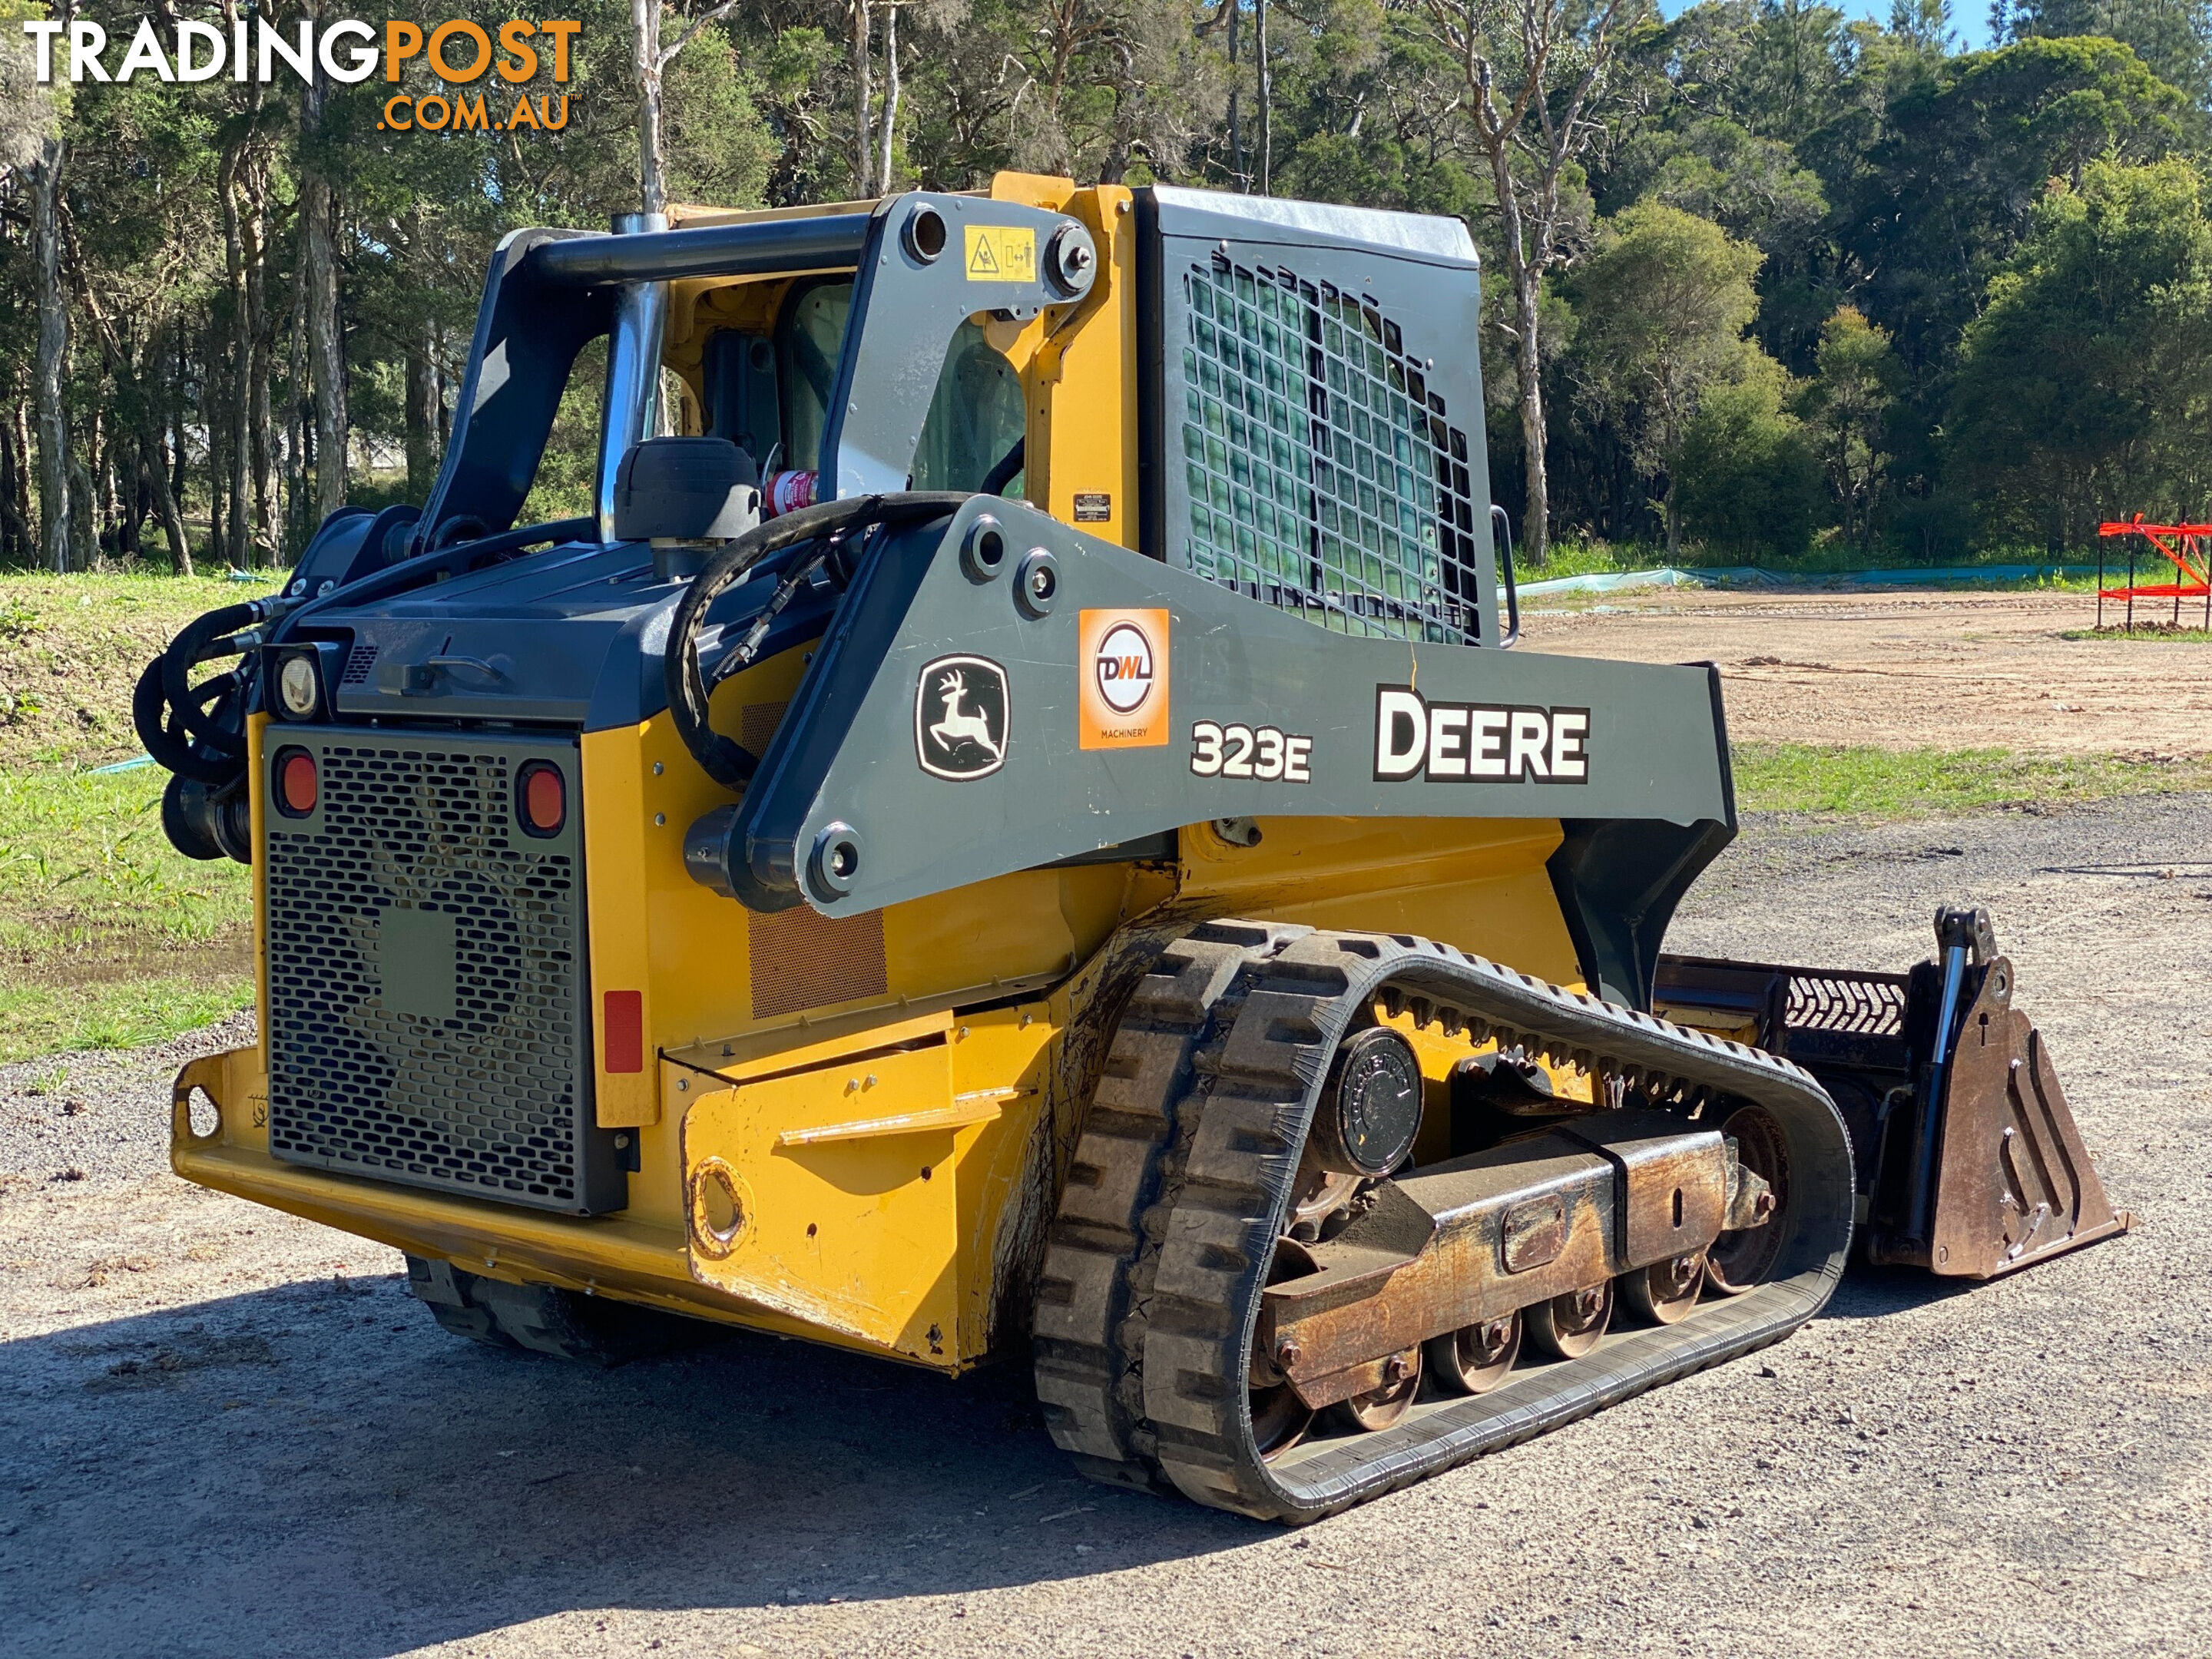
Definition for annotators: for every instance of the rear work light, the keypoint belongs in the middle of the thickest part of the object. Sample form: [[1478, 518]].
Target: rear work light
[[297, 785], [541, 801]]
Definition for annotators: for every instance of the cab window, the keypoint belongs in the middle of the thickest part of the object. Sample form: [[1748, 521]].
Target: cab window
[[975, 417], [977, 414], [811, 336]]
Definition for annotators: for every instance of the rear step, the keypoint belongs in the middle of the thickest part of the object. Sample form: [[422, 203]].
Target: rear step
[[1181, 1185], [1995, 1176]]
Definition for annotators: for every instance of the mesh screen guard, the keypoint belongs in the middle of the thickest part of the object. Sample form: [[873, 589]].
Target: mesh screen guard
[[1309, 458], [427, 1012]]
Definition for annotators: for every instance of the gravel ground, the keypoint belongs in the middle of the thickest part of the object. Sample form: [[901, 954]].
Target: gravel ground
[[231, 1433]]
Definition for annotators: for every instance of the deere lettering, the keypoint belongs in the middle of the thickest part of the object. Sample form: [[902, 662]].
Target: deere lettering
[[1476, 743]]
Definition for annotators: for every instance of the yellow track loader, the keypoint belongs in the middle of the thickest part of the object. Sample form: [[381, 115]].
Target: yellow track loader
[[1011, 825]]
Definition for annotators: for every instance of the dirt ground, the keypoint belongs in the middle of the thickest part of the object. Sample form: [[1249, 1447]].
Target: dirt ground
[[230, 1433], [1897, 670]]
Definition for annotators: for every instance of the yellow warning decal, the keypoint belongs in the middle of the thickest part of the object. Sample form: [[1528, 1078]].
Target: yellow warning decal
[[1001, 253]]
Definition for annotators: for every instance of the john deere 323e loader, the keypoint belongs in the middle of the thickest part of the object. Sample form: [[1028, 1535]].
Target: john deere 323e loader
[[1014, 827]]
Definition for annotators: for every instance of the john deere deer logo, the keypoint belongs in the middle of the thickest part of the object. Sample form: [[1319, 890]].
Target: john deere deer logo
[[960, 708]]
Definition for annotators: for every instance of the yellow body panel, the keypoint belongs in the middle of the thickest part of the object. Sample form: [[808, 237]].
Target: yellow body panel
[[895, 1255], [878, 1171]]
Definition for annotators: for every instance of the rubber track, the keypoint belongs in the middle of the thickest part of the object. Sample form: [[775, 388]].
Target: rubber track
[[1102, 1250], [1181, 1178]]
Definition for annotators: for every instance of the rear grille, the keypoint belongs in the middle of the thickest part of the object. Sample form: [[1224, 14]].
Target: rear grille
[[427, 974]]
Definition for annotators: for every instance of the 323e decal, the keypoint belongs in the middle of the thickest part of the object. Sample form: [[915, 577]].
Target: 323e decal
[[1237, 750]]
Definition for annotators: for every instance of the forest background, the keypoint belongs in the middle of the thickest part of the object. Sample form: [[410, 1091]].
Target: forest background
[[1760, 279]]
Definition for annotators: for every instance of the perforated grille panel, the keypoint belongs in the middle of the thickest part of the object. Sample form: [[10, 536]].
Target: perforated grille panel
[[426, 968], [1322, 472], [802, 959]]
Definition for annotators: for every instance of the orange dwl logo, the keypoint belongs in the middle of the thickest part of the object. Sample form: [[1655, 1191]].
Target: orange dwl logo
[[1123, 702]]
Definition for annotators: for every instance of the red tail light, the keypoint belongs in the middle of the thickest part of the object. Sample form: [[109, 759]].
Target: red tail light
[[544, 799], [297, 785]]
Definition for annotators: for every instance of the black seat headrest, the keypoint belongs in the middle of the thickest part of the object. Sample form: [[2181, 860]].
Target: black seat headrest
[[689, 489]]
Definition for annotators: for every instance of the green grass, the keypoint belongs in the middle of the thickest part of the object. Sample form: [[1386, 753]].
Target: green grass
[[108, 936], [1576, 555], [71, 648], [1910, 783], [2164, 634]]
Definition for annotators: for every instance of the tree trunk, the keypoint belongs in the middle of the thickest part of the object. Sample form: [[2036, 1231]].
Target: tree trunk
[[1236, 95], [165, 502], [1675, 525], [652, 165], [108, 508], [296, 507], [261, 370], [422, 415], [1113, 164], [220, 550], [318, 276], [84, 551], [891, 94], [1527, 279], [178, 478], [1264, 88], [863, 98], [51, 364], [1547, 124], [248, 172], [15, 540], [438, 405], [237, 364]]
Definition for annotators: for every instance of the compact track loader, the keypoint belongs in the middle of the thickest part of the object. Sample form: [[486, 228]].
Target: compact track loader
[[1014, 826]]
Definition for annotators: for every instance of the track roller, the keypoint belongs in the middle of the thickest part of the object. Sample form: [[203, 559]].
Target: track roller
[[1243, 1306]]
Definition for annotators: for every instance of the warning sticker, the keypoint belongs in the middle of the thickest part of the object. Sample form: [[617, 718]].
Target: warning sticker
[[1001, 253]]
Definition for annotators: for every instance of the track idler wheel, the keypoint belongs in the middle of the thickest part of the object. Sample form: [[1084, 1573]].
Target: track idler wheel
[[1665, 1292], [1742, 1259], [1280, 1418], [1381, 1408], [1568, 1327], [1475, 1358]]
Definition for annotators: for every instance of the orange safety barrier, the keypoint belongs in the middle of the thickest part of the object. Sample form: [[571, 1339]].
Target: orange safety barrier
[[2186, 547]]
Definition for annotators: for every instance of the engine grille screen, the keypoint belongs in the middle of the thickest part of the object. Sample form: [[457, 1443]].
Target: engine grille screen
[[427, 972], [1319, 469]]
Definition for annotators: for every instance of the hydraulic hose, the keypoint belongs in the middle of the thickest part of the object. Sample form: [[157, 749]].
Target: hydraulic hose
[[185, 653], [164, 740], [725, 761]]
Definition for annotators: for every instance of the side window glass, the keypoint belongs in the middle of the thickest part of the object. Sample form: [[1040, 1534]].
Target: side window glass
[[976, 417], [810, 335], [739, 378]]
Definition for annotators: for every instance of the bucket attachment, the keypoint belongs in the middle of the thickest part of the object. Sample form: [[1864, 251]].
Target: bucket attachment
[[1968, 1160]]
